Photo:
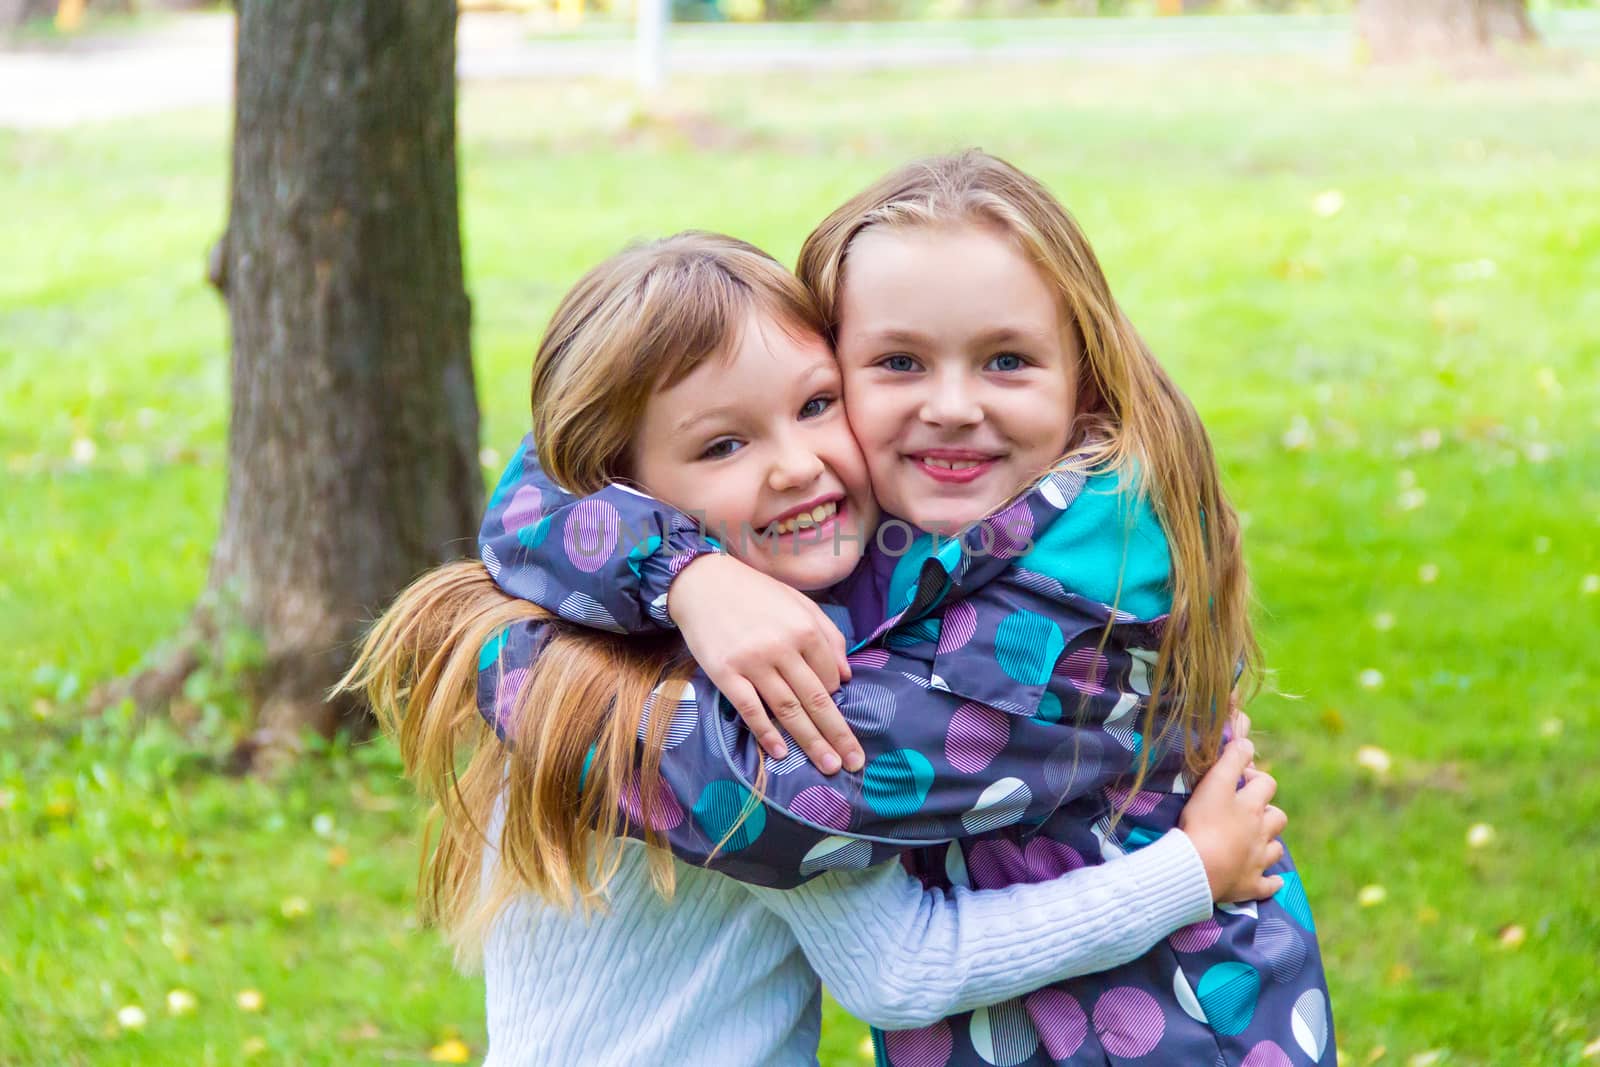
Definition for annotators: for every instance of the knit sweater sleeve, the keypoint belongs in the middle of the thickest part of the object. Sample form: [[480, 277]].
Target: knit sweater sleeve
[[900, 956]]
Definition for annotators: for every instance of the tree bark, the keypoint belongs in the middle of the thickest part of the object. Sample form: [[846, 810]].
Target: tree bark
[[1400, 30], [352, 446]]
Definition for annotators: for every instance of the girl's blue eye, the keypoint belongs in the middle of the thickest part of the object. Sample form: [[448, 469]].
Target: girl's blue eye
[[1007, 361], [816, 406], [898, 362], [719, 449]]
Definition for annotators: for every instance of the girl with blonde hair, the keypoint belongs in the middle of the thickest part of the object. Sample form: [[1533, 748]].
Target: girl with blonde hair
[[1074, 593], [696, 368]]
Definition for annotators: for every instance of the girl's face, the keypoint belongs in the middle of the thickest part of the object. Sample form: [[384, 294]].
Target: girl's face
[[960, 374], [758, 447]]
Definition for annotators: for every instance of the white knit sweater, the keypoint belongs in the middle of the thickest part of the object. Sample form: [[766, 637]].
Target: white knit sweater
[[728, 973]]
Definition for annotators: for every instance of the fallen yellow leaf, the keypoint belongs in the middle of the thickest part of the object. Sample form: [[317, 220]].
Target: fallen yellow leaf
[[453, 1051], [1512, 936]]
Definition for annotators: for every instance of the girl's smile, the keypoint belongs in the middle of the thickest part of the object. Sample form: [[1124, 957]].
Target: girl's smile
[[955, 466]]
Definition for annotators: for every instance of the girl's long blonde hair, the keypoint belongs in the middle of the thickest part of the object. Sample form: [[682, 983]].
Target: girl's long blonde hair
[[642, 320], [1131, 418]]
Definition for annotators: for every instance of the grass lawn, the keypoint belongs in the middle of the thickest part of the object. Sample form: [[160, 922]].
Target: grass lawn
[[1380, 290]]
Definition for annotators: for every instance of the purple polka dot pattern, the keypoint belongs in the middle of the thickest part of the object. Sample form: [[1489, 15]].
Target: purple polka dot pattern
[[976, 735], [1084, 669], [874, 659], [525, 509], [1047, 858], [1266, 1054], [505, 697], [1073, 766], [960, 623], [665, 813], [590, 535], [1196, 937], [1060, 1020], [867, 707], [1128, 1021], [823, 806], [995, 862], [1136, 804], [1011, 531], [929, 1047], [1042, 584], [1283, 947]]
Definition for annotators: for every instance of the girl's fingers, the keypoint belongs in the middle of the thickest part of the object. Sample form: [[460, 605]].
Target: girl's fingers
[[1269, 886], [820, 661], [1277, 819], [841, 649], [1259, 789], [1236, 755], [1274, 853], [782, 692], [824, 716], [742, 695]]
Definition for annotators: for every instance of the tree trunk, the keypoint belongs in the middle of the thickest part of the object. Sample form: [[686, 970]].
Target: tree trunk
[[352, 450], [1399, 30]]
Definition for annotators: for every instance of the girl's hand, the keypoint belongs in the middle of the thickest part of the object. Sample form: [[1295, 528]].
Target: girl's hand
[[759, 641], [1235, 828]]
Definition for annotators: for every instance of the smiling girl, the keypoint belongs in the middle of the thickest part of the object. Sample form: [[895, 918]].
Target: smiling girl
[[695, 368]]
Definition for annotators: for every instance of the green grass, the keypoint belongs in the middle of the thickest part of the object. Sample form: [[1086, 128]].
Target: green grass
[[1435, 333]]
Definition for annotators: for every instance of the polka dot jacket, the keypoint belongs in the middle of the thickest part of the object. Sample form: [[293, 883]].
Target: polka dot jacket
[[1000, 734]]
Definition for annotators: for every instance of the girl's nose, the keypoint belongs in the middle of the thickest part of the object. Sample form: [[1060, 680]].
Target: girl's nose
[[951, 401], [796, 467]]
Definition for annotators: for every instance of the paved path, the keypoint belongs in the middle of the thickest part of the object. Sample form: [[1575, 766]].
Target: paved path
[[188, 60]]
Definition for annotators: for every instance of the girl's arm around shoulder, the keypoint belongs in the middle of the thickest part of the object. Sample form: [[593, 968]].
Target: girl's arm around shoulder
[[605, 560], [901, 956]]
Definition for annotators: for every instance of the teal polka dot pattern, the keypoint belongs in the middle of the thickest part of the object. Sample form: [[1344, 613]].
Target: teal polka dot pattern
[[510, 478], [1027, 646], [489, 654], [1139, 837], [1228, 994], [643, 551], [897, 783], [719, 810], [533, 535], [1292, 897], [914, 634], [1049, 708]]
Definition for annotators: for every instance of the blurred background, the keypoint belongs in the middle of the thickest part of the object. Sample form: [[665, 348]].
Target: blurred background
[[1365, 238]]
